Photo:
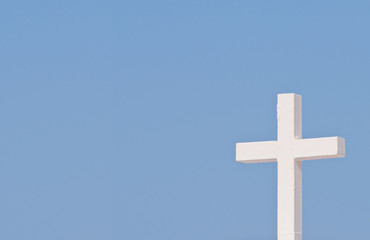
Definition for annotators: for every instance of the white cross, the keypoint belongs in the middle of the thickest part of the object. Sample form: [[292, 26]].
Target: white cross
[[289, 151]]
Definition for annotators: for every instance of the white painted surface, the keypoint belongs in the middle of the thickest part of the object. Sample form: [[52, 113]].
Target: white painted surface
[[254, 152], [289, 151]]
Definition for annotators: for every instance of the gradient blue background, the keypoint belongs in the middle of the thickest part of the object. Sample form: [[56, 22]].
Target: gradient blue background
[[119, 118]]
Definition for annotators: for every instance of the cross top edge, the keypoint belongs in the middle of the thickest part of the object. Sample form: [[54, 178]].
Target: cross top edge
[[289, 94]]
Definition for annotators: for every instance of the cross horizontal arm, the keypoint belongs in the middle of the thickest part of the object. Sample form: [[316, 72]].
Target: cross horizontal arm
[[256, 152], [318, 148]]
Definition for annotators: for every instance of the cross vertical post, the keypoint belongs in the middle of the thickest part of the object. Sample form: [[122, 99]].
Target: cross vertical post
[[289, 114]]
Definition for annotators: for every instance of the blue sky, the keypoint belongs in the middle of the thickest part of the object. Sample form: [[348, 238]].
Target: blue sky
[[119, 118]]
